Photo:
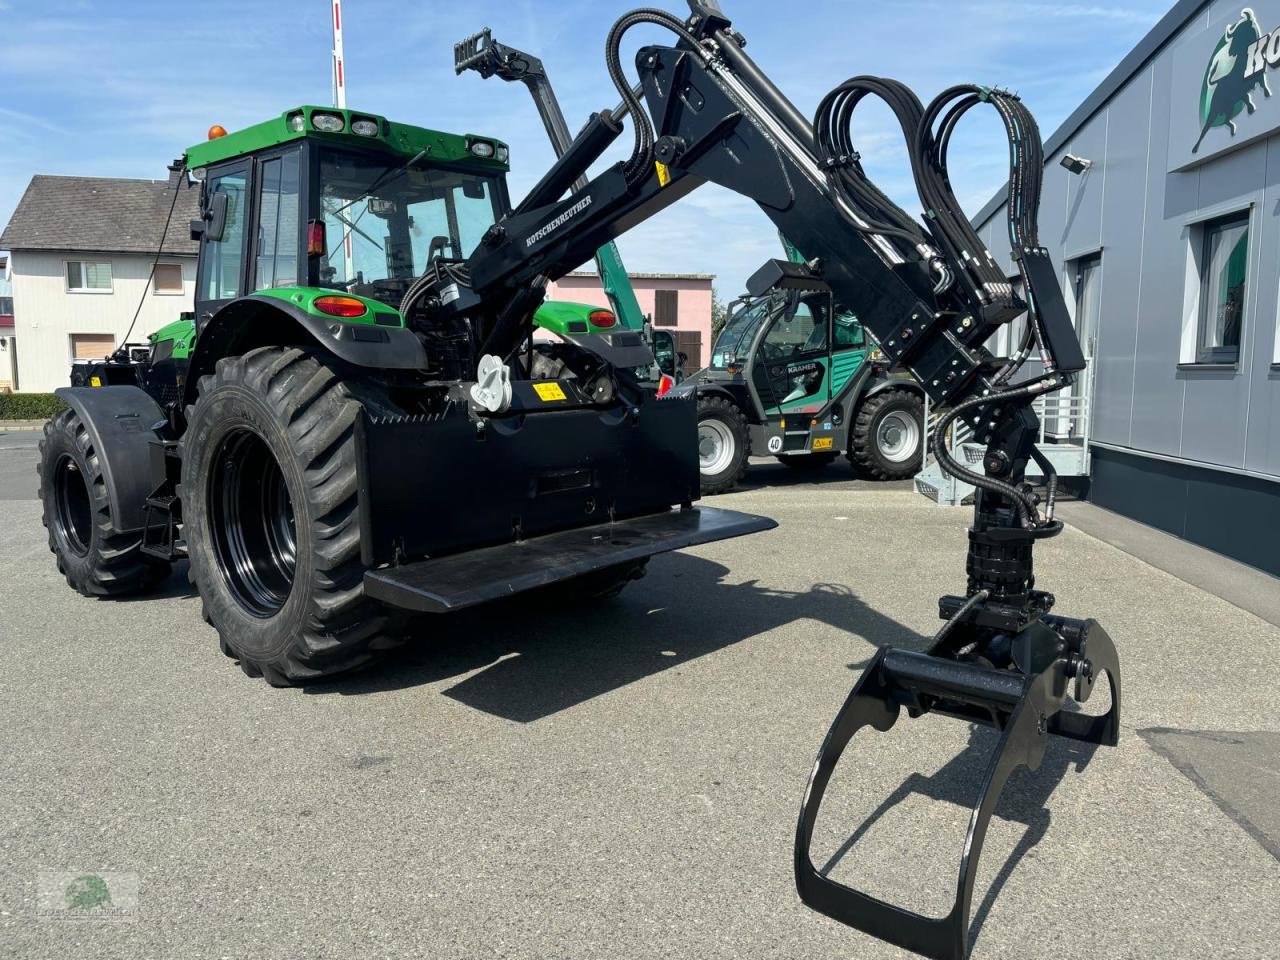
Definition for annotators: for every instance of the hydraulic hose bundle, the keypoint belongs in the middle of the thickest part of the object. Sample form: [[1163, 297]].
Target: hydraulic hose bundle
[[928, 132]]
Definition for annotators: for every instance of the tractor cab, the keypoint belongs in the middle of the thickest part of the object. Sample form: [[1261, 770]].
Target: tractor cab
[[338, 200]]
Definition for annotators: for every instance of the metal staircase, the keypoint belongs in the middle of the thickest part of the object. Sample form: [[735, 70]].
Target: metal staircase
[[1064, 440]]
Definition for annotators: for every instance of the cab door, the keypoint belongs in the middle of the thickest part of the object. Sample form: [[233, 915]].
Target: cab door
[[221, 273], [793, 359]]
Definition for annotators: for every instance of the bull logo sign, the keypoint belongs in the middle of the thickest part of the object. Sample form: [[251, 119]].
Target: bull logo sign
[[1237, 68]]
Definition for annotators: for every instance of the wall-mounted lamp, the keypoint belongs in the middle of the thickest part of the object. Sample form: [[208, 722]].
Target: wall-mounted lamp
[[1076, 165]]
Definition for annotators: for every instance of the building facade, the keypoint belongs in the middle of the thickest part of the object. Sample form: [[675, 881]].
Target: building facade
[[80, 261], [1168, 239], [680, 302], [8, 342]]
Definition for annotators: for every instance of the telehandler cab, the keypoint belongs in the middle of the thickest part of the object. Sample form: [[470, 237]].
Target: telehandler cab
[[371, 434], [794, 376]]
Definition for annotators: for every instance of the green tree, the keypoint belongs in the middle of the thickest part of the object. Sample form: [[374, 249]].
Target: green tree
[[718, 314]]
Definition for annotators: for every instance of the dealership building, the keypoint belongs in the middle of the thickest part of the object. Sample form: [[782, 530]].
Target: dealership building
[[1165, 221]]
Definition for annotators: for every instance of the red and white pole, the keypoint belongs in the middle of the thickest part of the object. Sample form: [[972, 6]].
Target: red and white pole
[[339, 65]]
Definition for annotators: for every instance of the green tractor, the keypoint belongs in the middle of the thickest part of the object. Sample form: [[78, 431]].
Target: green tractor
[[329, 437], [793, 375]]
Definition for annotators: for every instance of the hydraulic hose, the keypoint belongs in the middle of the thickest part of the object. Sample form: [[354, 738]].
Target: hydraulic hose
[[638, 167]]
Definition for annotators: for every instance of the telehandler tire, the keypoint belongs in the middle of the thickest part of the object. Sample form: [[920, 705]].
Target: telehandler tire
[[723, 445], [270, 509], [96, 558], [888, 431]]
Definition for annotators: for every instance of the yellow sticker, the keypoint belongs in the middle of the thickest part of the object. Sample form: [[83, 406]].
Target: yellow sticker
[[822, 443], [549, 391], [664, 175], [95, 382]]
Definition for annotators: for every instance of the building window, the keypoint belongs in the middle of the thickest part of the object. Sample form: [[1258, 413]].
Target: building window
[[1088, 283], [6, 306], [91, 346], [167, 278], [666, 308], [84, 276], [1224, 275]]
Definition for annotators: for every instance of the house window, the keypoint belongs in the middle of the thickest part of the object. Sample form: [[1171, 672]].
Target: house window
[[6, 306], [84, 276], [167, 278], [666, 308], [91, 346], [1224, 275]]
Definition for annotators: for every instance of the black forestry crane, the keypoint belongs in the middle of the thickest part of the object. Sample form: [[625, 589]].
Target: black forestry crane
[[930, 294]]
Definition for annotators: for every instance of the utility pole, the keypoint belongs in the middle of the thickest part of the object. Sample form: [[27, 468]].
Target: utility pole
[[339, 66]]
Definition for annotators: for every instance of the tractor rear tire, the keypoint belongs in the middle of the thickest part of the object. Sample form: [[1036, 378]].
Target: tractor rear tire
[[97, 559], [807, 461], [724, 444], [272, 520], [887, 437]]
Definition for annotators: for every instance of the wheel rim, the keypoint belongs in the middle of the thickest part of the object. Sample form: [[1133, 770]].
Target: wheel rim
[[252, 524], [715, 446], [73, 512], [898, 436]]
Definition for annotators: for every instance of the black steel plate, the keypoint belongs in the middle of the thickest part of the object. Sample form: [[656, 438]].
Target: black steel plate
[[491, 573]]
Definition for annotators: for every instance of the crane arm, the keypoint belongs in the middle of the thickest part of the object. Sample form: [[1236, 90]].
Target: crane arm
[[930, 294]]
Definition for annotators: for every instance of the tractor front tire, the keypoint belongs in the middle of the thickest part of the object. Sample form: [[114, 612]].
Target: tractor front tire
[[724, 444], [887, 437], [97, 559], [270, 507]]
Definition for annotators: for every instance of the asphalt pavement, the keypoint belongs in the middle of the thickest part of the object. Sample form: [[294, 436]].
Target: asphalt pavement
[[621, 780]]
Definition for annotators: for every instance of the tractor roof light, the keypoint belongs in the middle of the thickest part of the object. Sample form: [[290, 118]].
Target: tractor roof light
[[346, 307], [502, 154], [481, 148], [364, 127], [216, 131], [297, 122], [328, 122], [602, 319]]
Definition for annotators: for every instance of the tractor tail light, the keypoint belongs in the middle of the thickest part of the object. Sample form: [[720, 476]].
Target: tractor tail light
[[341, 306], [665, 383], [602, 318], [316, 246]]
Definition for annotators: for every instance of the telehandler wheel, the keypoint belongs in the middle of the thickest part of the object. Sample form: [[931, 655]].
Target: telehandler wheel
[[887, 435], [807, 461], [271, 517], [96, 559], [723, 444]]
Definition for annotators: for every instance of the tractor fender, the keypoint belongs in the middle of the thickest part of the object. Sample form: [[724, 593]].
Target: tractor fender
[[258, 321], [121, 421]]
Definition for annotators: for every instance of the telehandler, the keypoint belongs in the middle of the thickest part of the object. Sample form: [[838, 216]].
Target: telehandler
[[792, 375], [369, 435]]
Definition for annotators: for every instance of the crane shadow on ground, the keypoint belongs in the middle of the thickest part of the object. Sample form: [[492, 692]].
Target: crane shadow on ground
[[1024, 800], [528, 658]]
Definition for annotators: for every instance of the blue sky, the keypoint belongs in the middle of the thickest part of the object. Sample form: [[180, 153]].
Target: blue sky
[[120, 89]]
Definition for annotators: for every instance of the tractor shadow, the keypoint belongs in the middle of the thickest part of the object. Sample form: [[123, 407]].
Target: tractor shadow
[[1024, 800], [528, 658]]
